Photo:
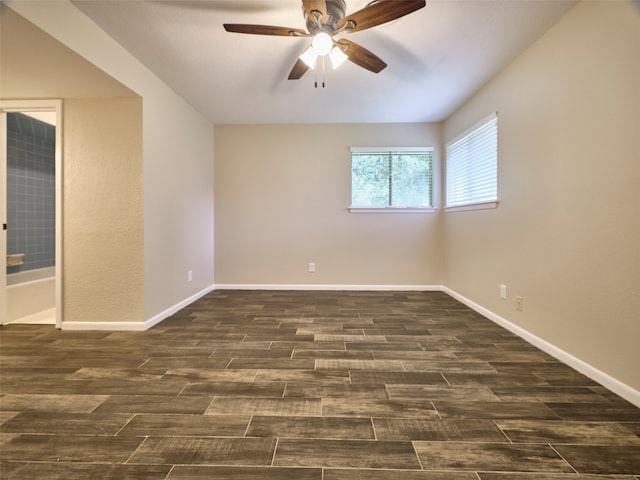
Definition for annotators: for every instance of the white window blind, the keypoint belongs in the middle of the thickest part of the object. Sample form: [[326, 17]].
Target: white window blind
[[394, 177], [472, 165]]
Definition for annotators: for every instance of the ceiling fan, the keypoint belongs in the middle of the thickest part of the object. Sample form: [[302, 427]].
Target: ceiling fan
[[324, 20]]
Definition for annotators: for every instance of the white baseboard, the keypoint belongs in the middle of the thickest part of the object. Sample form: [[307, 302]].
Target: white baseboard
[[137, 326], [313, 286], [607, 381], [177, 307]]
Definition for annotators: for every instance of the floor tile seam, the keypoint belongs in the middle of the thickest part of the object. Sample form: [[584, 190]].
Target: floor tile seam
[[415, 452], [106, 397], [209, 405], [392, 469], [202, 437], [165, 436], [554, 444], [573, 423], [373, 428], [386, 389], [536, 474], [564, 459], [143, 364], [559, 456], [339, 440], [246, 430], [275, 449], [64, 434], [144, 440], [604, 423], [72, 462], [494, 421], [183, 389], [168, 475], [436, 409]]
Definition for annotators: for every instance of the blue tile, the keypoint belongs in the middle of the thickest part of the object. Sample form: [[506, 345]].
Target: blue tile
[[31, 192]]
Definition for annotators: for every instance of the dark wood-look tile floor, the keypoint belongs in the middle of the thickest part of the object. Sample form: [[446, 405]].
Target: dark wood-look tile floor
[[275, 385]]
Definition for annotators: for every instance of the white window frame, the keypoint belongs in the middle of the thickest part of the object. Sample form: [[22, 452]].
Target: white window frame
[[470, 133], [392, 209]]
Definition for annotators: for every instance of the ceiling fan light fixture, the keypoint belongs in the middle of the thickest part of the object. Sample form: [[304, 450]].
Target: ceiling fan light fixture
[[309, 57], [337, 57], [327, 18], [322, 44]]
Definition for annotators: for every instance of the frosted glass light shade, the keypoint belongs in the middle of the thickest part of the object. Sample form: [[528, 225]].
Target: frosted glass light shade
[[322, 44], [337, 57], [309, 57]]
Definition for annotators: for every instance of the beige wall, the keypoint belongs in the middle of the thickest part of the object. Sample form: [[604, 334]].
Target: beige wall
[[566, 235], [178, 203], [33, 64], [177, 144], [103, 233], [281, 198]]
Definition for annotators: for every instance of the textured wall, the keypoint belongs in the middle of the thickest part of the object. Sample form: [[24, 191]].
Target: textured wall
[[103, 233]]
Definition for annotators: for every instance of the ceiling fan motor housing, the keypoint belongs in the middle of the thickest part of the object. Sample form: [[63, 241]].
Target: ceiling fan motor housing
[[336, 10]]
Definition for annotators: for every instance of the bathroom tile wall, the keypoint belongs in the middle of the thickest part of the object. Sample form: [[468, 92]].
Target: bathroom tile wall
[[30, 191]]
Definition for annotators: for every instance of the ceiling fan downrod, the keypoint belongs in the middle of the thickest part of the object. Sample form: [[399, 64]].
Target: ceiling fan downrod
[[317, 20]]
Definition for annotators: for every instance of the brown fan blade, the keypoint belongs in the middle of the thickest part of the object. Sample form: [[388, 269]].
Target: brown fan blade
[[361, 56], [299, 69], [315, 5], [264, 30], [380, 12]]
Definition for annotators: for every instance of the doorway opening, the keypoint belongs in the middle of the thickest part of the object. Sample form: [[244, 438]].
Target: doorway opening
[[31, 212]]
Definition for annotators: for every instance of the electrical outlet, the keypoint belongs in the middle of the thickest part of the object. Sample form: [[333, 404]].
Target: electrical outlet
[[518, 303], [503, 292], [312, 267], [189, 276]]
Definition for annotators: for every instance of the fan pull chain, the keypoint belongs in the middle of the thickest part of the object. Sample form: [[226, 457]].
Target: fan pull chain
[[316, 73]]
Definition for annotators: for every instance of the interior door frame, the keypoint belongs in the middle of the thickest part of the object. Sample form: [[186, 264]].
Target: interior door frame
[[43, 105]]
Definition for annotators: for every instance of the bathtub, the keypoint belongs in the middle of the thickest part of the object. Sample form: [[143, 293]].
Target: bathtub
[[31, 296]]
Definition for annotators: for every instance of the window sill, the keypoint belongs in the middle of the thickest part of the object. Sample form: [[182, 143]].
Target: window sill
[[473, 206], [393, 209]]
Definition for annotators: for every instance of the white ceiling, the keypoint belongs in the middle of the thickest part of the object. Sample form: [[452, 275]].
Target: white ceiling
[[437, 57]]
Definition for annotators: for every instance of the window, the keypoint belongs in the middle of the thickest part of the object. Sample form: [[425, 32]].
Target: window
[[391, 178], [472, 166]]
